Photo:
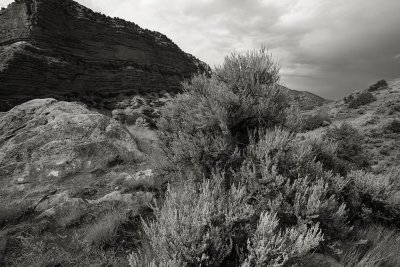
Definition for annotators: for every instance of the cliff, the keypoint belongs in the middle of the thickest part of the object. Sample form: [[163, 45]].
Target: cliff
[[61, 49]]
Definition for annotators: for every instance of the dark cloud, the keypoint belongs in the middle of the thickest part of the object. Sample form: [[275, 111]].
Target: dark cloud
[[326, 47]]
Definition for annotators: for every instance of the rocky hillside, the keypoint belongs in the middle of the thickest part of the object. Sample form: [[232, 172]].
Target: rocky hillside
[[61, 49], [305, 100]]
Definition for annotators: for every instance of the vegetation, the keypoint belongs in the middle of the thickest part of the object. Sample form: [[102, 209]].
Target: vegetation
[[380, 85], [349, 145], [104, 232], [316, 121], [360, 100], [203, 128], [248, 190], [246, 186], [394, 126]]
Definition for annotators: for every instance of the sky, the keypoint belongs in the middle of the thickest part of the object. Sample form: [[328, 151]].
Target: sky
[[327, 47]]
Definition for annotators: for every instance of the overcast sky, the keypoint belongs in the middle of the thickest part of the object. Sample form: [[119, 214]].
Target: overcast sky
[[326, 47]]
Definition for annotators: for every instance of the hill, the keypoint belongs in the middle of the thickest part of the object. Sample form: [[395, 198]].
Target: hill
[[305, 100]]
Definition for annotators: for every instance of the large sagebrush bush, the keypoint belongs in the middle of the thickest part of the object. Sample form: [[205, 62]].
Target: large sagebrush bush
[[202, 127]]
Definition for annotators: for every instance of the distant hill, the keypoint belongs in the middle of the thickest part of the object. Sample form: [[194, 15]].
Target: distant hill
[[304, 99]]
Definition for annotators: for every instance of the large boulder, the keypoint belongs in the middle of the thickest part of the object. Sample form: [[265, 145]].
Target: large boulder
[[45, 143]]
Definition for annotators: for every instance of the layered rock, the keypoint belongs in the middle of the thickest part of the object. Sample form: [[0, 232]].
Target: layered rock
[[60, 49]]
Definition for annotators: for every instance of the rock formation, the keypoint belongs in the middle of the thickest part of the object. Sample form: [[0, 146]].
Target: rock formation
[[60, 49], [44, 141]]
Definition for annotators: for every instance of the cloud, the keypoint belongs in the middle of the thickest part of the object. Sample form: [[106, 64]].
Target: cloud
[[326, 47]]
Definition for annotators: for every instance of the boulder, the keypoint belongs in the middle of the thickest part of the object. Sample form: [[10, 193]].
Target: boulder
[[45, 143]]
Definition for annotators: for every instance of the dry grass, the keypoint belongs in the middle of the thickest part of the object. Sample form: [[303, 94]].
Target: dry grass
[[382, 248], [70, 217], [104, 232]]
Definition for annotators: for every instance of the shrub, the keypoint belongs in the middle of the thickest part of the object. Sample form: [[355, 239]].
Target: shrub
[[348, 99], [380, 85], [201, 128], [377, 195], [361, 100], [349, 144], [245, 176], [394, 126], [271, 247], [284, 177], [196, 225], [313, 122]]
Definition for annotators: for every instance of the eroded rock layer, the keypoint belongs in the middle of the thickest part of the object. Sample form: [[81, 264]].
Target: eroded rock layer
[[60, 49]]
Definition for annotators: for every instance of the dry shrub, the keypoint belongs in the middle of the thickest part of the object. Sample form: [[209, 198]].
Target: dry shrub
[[361, 100], [271, 247], [393, 126], [377, 196], [349, 145], [243, 176], [379, 85], [285, 178], [197, 223], [201, 128]]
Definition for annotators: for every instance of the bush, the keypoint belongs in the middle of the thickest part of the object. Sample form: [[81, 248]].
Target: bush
[[349, 145], [394, 126], [270, 247], [285, 177], [380, 85], [197, 225], [244, 176], [377, 196], [201, 128], [313, 122], [361, 100]]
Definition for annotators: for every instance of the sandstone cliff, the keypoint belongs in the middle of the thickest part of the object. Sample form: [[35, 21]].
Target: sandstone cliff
[[60, 49]]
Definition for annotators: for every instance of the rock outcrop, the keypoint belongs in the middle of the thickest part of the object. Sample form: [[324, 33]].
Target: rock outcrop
[[52, 143], [60, 49]]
